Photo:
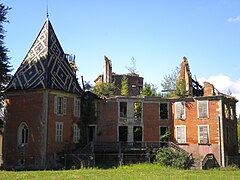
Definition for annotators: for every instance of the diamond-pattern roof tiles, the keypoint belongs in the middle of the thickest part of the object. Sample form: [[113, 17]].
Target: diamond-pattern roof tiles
[[45, 66]]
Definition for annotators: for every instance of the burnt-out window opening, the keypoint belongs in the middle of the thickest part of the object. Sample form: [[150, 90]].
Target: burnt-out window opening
[[137, 133], [123, 133], [232, 114], [137, 110], [91, 133], [164, 133], [226, 111], [123, 109], [163, 111]]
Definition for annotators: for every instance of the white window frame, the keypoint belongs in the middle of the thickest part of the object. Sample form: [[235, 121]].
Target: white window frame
[[184, 140], [199, 137], [60, 105], [182, 103], [160, 110], [23, 134], [59, 132], [77, 107], [76, 133], [198, 107]]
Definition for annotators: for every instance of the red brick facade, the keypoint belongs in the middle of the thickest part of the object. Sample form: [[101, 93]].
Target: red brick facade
[[48, 115], [215, 124], [36, 110]]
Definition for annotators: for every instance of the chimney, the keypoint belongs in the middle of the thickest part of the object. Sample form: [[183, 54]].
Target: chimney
[[107, 70], [208, 89], [185, 74]]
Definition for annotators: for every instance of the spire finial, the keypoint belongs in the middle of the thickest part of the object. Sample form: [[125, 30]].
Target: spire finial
[[47, 9]]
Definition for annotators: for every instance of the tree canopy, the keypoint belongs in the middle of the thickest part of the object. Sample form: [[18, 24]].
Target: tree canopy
[[104, 89], [169, 82], [124, 83], [132, 69], [149, 90], [5, 67]]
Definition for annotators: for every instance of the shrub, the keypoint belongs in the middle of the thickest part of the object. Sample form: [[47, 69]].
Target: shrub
[[171, 157]]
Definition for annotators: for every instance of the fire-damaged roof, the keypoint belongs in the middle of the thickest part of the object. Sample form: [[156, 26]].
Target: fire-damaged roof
[[45, 66]]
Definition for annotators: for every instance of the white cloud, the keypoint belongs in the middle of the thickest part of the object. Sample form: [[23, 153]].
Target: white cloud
[[225, 85], [234, 19]]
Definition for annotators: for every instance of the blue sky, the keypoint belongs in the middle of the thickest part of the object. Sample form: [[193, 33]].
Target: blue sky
[[157, 33]]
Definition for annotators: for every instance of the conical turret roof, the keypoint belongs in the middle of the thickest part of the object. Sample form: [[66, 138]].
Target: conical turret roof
[[45, 66]]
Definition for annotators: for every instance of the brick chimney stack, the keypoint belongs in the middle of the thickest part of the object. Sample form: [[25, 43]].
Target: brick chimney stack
[[208, 89], [107, 70], [185, 74]]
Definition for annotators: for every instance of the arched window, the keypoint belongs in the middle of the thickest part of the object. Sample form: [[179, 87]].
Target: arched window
[[23, 133]]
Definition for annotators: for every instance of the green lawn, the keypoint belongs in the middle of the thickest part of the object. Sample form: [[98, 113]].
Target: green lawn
[[125, 172]]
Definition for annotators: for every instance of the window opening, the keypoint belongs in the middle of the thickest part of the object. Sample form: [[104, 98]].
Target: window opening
[[123, 133], [163, 111]]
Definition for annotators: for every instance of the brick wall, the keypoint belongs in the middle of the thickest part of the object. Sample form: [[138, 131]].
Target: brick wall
[[107, 121], [28, 108], [67, 119], [192, 135]]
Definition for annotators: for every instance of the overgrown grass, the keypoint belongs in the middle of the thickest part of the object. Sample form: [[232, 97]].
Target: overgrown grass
[[139, 171]]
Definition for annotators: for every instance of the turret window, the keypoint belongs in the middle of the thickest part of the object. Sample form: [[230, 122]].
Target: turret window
[[23, 134]]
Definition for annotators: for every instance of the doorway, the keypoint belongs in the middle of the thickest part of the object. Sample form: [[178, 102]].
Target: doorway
[[91, 133], [123, 133]]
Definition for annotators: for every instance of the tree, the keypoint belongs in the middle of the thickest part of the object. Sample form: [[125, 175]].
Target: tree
[[4, 59], [5, 67], [132, 69], [169, 81], [149, 90], [171, 157], [105, 89], [124, 89], [180, 88]]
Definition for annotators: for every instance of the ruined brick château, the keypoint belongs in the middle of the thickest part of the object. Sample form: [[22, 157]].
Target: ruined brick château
[[48, 115]]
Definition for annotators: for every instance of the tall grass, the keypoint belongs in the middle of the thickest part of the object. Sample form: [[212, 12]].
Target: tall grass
[[139, 171]]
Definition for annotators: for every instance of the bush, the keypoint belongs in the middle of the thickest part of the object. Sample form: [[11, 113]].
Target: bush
[[171, 157]]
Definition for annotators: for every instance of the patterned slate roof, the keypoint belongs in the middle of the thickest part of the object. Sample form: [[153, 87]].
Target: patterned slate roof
[[45, 66]]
